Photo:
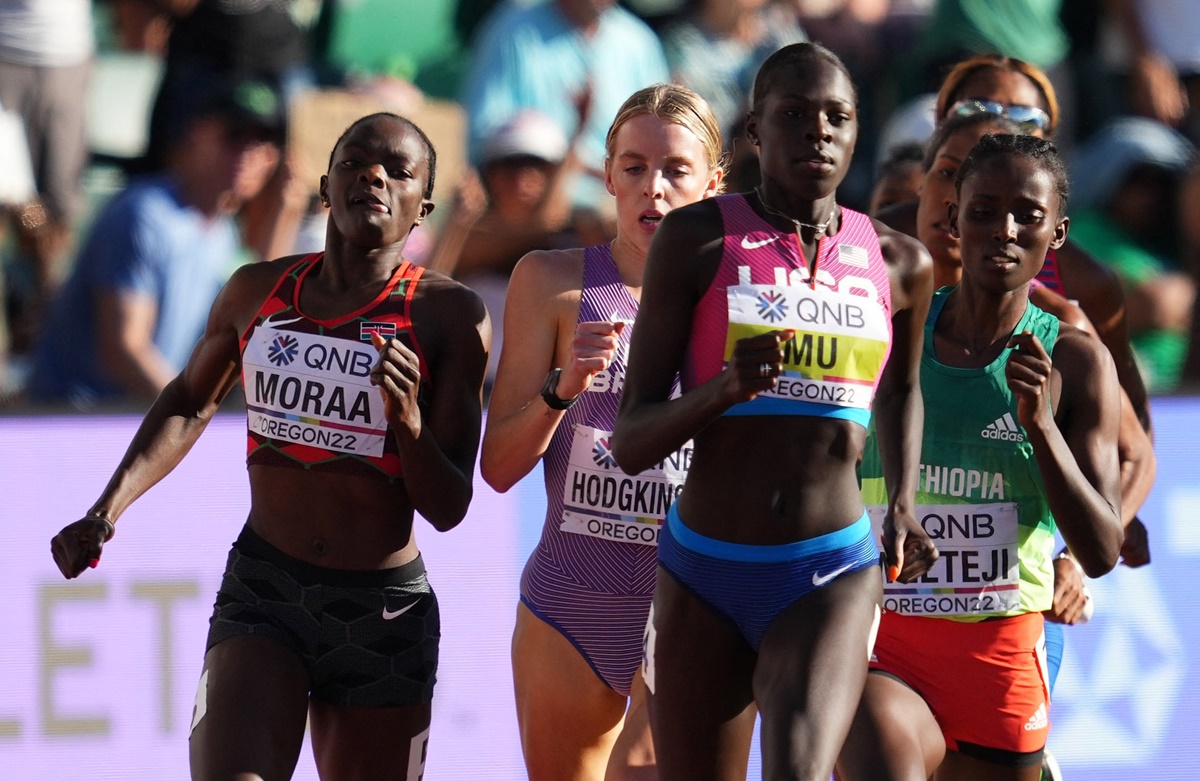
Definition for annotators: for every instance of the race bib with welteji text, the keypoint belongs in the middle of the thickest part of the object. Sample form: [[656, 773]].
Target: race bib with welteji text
[[600, 500], [977, 572], [313, 390], [840, 343]]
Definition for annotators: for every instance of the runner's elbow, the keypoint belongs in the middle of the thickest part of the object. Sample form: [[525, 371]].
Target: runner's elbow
[[495, 477], [625, 453], [497, 471], [1103, 557], [448, 519]]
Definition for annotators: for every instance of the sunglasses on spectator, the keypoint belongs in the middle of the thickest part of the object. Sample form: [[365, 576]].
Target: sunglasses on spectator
[[1031, 118]]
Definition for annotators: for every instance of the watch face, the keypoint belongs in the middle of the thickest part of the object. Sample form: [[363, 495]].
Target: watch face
[[550, 396], [551, 383]]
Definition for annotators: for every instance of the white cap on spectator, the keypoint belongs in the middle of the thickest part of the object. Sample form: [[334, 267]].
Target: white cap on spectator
[[528, 134], [1105, 158], [912, 122]]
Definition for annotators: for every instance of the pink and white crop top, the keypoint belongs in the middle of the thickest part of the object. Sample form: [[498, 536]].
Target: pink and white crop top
[[842, 320]]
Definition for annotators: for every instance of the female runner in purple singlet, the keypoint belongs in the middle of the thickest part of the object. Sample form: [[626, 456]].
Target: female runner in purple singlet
[[586, 589]]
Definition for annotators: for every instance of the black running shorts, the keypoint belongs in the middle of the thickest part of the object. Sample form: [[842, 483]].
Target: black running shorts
[[368, 639]]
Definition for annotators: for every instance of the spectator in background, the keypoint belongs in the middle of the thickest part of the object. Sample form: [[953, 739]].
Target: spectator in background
[[1189, 219], [552, 57], [870, 34], [140, 26], [900, 176], [1128, 177], [911, 123], [46, 49], [213, 40], [126, 320], [517, 203], [523, 169], [1156, 45], [210, 42], [717, 48], [1028, 30]]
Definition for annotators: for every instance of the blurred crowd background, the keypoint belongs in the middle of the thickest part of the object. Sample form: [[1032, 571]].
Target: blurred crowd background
[[148, 147]]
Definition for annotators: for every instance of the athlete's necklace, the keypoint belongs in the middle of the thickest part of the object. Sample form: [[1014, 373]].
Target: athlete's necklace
[[819, 228]]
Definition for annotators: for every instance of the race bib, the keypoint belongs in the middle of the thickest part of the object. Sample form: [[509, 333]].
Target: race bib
[[977, 572], [599, 500], [839, 348], [313, 390]]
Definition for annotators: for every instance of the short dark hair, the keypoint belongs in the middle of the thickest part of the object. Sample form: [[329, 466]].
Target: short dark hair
[[796, 55], [430, 152], [239, 101], [899, 157], [1044, 152], [956, 123]]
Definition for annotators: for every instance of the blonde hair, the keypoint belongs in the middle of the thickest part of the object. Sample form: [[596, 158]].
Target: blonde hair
[[967, 68], [673, 103]]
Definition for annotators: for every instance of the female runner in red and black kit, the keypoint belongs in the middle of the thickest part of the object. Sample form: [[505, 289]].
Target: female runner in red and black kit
[[325, 615]]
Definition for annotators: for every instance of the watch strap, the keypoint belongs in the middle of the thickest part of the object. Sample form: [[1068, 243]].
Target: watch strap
[[552, 399]]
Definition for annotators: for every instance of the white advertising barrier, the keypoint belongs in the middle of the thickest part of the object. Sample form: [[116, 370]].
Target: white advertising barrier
[[98, 675]]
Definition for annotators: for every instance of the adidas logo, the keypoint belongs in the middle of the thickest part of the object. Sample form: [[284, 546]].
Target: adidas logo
[[1038, 720], [1003, 428]]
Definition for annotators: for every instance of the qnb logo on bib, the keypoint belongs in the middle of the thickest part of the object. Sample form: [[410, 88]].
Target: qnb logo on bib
[[602, 453], [306, 389], [977, 571], [599, 500], [839, 347], [770, 306], [282, 350]]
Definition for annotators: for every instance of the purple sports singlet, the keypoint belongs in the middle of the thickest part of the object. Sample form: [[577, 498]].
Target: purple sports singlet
[[592, 574]]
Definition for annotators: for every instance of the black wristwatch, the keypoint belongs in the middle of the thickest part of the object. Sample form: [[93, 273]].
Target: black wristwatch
[[550, 397]]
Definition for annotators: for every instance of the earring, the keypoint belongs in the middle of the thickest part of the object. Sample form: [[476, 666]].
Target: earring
[[325, 202]]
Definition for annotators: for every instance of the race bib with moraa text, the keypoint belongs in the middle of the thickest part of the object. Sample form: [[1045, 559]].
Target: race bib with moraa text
[[313, 390]]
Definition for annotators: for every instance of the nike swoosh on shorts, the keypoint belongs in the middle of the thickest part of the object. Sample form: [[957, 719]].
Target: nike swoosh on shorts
[[388, 615], [821, 580]]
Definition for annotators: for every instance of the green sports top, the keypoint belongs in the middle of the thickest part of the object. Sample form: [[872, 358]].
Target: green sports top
[[980, 496]]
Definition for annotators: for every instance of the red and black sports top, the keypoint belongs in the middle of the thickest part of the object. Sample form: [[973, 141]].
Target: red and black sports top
[[310, 403]]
